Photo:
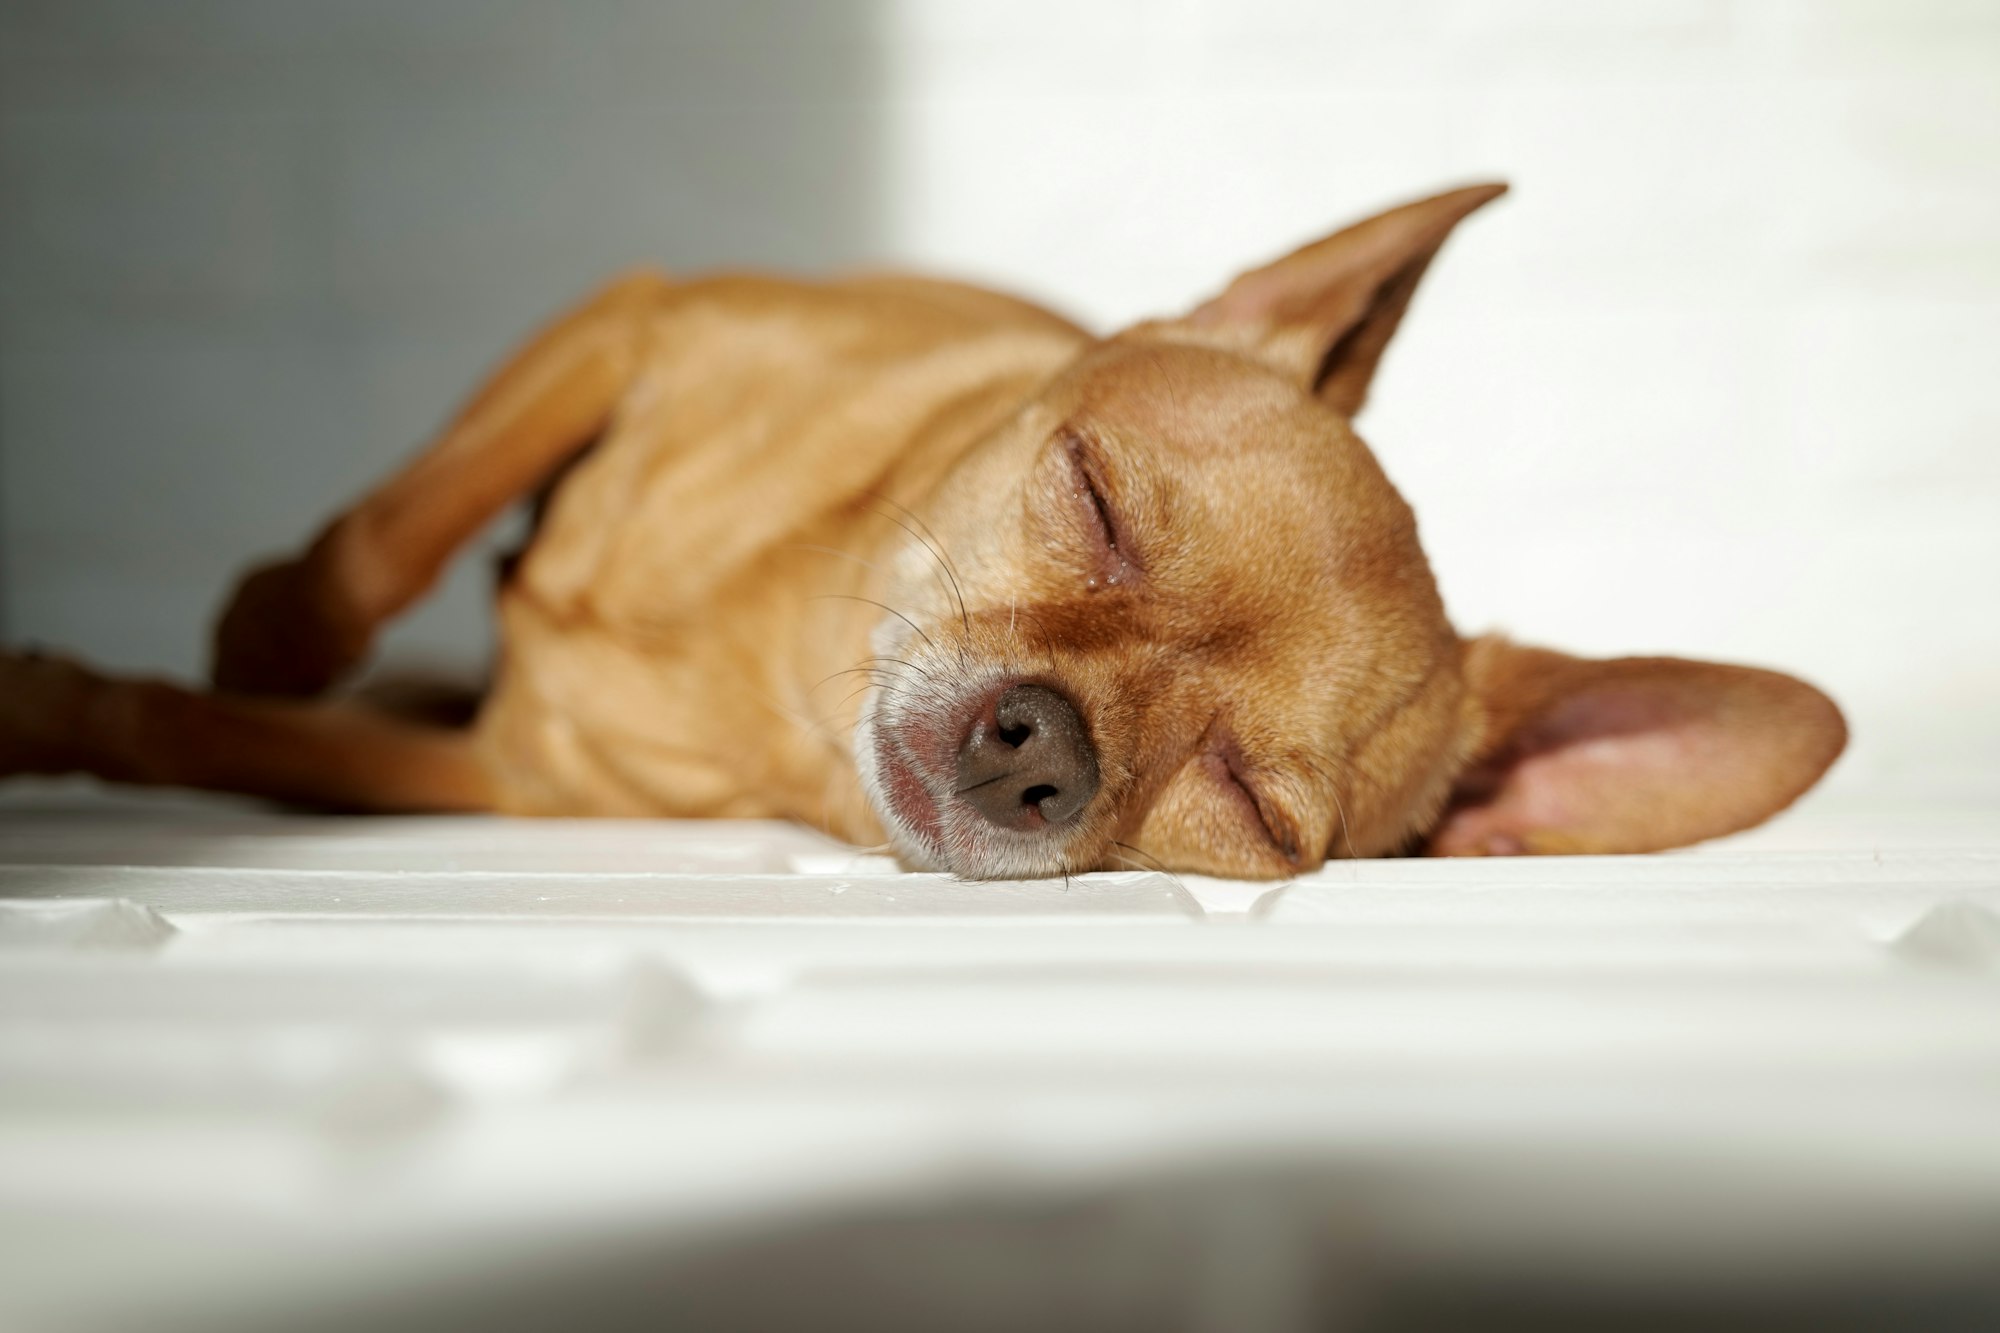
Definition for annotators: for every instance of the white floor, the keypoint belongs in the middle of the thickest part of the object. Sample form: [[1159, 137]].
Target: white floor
[[289, 1071]]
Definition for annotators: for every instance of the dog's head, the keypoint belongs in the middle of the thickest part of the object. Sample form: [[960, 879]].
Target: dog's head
[[1174, 614]]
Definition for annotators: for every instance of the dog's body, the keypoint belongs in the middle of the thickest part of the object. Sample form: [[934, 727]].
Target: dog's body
[[910, 560], [674, 630]]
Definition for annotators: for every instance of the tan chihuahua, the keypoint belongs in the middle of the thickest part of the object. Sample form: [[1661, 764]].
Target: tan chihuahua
[[1092, 603]]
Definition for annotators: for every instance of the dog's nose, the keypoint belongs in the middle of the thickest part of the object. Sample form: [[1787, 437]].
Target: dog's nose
[[1030, 763]]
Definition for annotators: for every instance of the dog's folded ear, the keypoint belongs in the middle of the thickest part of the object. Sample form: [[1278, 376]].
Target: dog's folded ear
[[1633, 754], [1324, 313]]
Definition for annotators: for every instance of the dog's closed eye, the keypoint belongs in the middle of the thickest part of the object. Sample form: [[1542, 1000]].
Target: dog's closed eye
[[1269, 822], [1110, 563]]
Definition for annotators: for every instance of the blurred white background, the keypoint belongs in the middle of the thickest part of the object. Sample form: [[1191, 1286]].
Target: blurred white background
[[1716, 380]]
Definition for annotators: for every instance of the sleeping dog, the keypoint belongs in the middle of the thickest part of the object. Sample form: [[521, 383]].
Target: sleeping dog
[[923, 564]]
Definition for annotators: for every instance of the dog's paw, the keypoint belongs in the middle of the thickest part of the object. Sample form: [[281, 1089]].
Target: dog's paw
[[284, 633], [44, 704]]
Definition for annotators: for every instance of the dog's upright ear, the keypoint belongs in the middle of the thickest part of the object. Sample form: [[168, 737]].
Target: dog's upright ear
[[1324, 313], [1635, 754]]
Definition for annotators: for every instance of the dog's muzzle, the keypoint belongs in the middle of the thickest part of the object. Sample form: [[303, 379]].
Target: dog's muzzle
[[997, 780], [1029, 763]]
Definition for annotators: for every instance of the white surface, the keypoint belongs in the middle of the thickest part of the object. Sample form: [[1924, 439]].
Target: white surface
[[277, 1063]]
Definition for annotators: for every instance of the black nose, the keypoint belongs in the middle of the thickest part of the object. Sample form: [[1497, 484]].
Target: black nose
[[1029, 763]]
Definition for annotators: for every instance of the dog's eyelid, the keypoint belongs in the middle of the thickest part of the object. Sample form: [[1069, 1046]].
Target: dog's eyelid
[[1281, 832], [1089, 472], [1086, 466]]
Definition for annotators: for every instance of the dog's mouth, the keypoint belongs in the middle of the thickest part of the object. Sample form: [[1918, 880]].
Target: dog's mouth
[[906, 796]]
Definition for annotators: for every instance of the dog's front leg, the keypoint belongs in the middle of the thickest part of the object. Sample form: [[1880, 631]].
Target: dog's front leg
[[299, 625]]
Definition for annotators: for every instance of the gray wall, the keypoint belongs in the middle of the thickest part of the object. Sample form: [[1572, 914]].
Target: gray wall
[[252, 251]]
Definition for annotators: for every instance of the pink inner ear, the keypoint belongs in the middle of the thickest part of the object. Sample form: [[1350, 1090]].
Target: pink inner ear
[[1586, 774]]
